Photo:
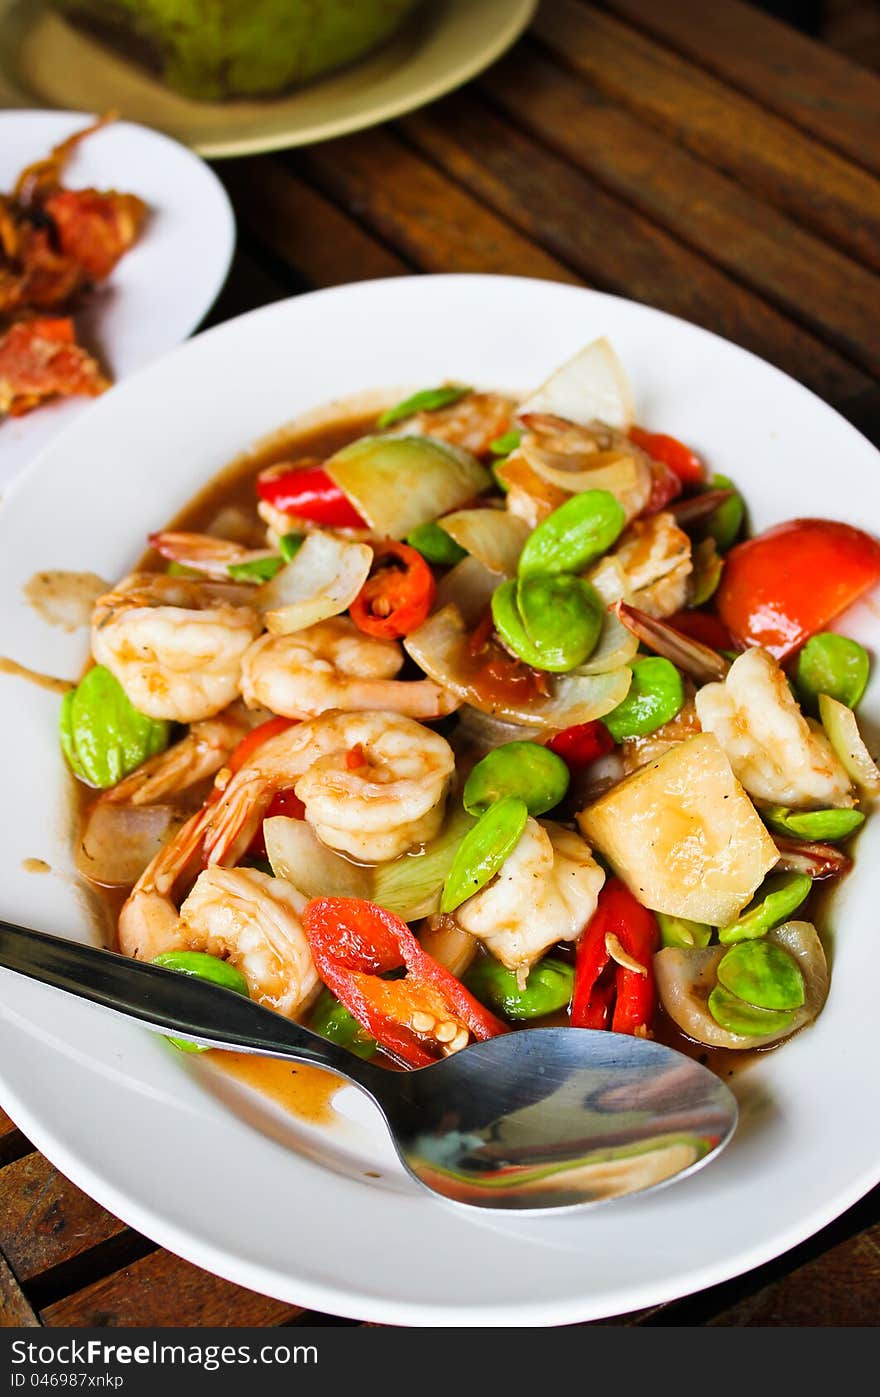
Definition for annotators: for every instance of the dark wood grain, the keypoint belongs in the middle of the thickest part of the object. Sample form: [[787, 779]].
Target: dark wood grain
[[811, 281], [610, 245], [786, 166], [45, 1220], [842, 1287], [425, 216], [783, 69], [163, 1290], [15, 1311]]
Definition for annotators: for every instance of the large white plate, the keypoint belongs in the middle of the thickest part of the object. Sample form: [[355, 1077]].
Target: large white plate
[[227, 1180], [162, 288]]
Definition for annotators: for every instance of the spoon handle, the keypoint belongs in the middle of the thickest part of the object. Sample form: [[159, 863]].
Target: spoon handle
[[169, 1002]]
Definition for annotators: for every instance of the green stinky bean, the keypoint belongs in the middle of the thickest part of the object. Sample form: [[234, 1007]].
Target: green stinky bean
[[427, 400], [256, 570], [831, 664], [203, 967], [774, 902], [524, 769], [290, 544], [575, 534], [435, 545], [762, 974], [736, 1016], [483, 850], [502, 446], [547, 990], [725, 522], [655, 695], [680, 932], [102, 735], [825, 825], [336, 1023], [553, 623]]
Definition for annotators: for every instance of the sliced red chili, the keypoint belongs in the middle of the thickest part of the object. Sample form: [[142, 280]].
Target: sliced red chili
[[673, 453], [306, 491], [582, 744], [254, 739], [620, 924], [398, 594], [355, 943]]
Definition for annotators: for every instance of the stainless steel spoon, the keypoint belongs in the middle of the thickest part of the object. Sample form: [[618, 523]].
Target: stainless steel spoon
[[549, 1118]]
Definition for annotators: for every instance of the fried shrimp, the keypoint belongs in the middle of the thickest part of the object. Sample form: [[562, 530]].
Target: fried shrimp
[[334, 665], [253, 921], [777, 754], [202, 752], [373, 785], [175, 644], [546, 891]]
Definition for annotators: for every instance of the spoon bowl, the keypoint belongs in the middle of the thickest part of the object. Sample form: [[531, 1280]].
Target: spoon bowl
[[543, 1119]]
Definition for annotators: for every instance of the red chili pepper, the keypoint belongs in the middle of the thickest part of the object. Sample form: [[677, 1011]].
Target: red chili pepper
[[254, 739], [582, 744], [702, 626], [785, 585], [354, 943], [306, 491], [398, 594], [600, 981], [283, 802], [672, 452]]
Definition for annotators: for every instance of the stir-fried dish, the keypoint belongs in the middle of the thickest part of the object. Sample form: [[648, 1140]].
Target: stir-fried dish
[[56, 244], [487, 716]]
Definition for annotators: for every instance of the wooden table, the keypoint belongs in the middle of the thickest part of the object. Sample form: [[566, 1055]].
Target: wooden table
[[700, 158]]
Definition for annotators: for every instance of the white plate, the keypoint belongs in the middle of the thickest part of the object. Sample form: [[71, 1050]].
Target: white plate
[[226, 1180], [162, 288]]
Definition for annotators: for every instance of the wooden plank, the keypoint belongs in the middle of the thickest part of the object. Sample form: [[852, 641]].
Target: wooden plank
[[853, 28], [786, 166], [425, 216], [45, 1220], [611, 245], [161, 1289], [782, 68], [810, 280], [840, 1288], [302, 228], [15, 1312]]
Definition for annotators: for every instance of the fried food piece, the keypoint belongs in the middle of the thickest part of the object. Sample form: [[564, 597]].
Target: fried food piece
[[40, 359]]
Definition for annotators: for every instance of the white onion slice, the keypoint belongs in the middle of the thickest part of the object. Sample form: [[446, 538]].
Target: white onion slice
[[440, 646], [592, 384], [119, 841], [623, 470], [322, 580], [297, 854], [469, 587], [495, 537], [840, 724], [398, 482]]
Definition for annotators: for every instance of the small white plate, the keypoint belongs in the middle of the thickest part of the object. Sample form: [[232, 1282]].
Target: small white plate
[[327, 1218], [162, 288]]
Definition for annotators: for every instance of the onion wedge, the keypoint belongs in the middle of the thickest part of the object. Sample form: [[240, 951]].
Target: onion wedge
[[590, 385], [494, 537], [322, 580], [843, 733], [575, 458], [469, 587], [399, 482], [440, 647], [699, 662]]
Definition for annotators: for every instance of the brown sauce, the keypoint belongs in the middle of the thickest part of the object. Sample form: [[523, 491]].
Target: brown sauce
[[65, 599], [307, 1092], [36, 866], [33, 676]]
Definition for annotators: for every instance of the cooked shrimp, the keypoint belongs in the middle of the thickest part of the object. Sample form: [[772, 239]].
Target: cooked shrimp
[[777, 753], [175, 644], [546, 891], [334, 665], [656, 558], [253, 921], [149, 922], [566, 449], [206, 554], [198, 755], [473, 423], [373, 785]]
